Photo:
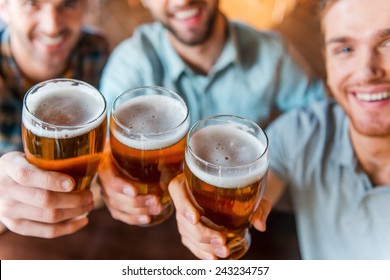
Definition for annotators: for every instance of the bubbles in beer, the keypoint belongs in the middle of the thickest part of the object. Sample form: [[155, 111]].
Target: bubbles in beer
[[64, 110], [228, 147], [151, 114], [58, 106]]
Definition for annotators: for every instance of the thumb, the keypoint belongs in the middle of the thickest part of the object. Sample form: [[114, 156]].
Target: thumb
[[260, 216], [16, 166], [182, 198]]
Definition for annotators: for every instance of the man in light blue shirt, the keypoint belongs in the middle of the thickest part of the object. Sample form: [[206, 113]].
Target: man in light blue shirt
[[333, 156], [218, 67], [339, 209], [249, 73]]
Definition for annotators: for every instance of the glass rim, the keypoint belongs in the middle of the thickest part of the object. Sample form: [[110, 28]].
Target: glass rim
[[218, 166], [42, 123], [157, 88]]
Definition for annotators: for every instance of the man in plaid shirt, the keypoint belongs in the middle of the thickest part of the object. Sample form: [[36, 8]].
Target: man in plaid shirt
[[42, 40]]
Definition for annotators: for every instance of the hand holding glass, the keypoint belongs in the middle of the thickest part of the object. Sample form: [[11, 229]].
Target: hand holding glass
[[148, 128], [226, 162], [64, 128]]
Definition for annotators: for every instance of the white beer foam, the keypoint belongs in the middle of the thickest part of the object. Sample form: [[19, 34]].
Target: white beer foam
[[227, 146], [89, 108], [150, 116]]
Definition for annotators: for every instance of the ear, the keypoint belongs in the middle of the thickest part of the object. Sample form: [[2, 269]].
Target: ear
[[4, 11]]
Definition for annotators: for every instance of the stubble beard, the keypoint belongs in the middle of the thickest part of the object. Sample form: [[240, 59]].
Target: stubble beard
[[210, 25]]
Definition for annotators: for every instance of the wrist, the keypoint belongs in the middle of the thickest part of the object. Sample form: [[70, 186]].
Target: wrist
[[95, 188]]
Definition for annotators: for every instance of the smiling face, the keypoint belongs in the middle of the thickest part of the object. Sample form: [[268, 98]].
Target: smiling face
[[357, 52], [43, 32], [190, 22]]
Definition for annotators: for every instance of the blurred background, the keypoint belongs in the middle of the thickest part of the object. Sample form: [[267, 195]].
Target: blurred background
[[295, 19]]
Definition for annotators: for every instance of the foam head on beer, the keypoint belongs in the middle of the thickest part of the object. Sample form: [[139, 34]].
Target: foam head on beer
[[57, 106], [64, 128], [228, 147], [153, 122], [226, 162], [148, 128]]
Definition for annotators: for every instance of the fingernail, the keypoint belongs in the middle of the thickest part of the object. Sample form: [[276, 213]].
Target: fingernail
[[154, 210], [129, 191], [216, 241], [143, 219], [84, 215], [190, 217], [220, 252], [151, 202], [67, 185]]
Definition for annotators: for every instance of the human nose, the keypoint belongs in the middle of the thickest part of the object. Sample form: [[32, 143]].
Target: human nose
[[50, 21], [370, 66]]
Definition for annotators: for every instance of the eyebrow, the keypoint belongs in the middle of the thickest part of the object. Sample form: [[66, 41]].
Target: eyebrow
[[384, 33], [337, 40], [342, 39]]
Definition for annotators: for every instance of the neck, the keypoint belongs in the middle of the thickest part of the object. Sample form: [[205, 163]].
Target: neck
[[202, 57], [373, 154]]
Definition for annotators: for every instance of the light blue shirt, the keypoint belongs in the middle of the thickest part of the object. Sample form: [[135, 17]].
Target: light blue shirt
[[253, 76], [340, 214]]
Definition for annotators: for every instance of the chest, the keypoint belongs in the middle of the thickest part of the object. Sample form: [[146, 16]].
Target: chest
[[228, 92]]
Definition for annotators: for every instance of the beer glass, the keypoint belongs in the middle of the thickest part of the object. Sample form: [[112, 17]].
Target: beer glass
[[148, 128], [226, 165], [64, 126]]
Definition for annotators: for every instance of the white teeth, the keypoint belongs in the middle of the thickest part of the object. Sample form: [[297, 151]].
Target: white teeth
[[186, 14], [50, 40], [372, 96]]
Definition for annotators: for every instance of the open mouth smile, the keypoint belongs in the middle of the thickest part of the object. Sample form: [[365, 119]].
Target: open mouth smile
[[372, 97], [186, 14]]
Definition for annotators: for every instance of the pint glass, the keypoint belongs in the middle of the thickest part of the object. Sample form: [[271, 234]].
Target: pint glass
[[148, 127], [226, 163], [64, 128]]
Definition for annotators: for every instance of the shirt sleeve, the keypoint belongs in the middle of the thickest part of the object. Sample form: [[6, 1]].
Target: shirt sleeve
[[295, 87], [121, 72], [298, 141], [278, 153]]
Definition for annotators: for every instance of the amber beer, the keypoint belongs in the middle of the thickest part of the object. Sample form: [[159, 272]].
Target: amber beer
[[226, 163], [148, 128], [64, 128]]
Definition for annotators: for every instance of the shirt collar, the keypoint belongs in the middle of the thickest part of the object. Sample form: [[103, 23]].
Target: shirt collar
[[230, 52], [11, 71], [229, 55], [9, 67], [344, 153], [176, 65]]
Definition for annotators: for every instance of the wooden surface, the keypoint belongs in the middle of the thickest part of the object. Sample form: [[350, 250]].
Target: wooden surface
[[107, 239]]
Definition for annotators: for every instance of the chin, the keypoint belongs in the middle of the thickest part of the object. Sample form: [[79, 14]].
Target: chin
[[57, 58], [371, 130]]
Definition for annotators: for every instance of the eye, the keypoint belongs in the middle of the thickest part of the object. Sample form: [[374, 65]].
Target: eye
[[71, 4], [386, 43], [342, 50], [30, 3]]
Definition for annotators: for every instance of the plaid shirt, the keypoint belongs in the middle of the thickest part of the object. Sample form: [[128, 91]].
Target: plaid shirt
[[86, 63]]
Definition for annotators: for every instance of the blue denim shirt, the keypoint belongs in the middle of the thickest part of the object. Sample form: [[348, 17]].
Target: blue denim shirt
[[253, 76]]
